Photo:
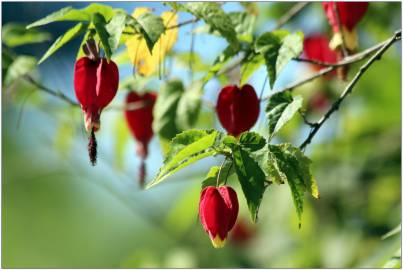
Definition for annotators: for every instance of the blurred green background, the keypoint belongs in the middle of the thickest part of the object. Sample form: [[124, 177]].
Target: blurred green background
[[60, 212]]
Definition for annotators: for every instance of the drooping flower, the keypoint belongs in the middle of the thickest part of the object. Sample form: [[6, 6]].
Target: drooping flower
[[237, 108], [350, 13], [218, 211]]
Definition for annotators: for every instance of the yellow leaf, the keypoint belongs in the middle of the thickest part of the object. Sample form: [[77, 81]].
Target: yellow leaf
[[144, 62]]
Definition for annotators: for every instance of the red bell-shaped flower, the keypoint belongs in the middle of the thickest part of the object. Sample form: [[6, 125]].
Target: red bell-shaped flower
[[218, 211], [237, 108], [140, 118], [95, 83], [316, 47], [350, 13]]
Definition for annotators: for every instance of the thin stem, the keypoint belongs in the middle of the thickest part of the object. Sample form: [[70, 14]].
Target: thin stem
[[349, 87], [330, 67], [291, 13]]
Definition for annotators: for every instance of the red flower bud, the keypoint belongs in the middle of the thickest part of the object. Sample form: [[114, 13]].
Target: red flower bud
[[139, 117], [316, 47], [218, 211], [96, 83], [237, 108], [350, 13]]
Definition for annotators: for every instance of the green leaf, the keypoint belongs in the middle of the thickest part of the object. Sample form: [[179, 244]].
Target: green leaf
[[64, 14], [115, 28], [105, 10], [252, 141], [281, 107], [21, 65], [71, 14], [152, 26], [251, 178], [14, 34], [290, 164], [218, 20], [219, 62], [226, 171], [244, 24], [62, 40], [189, 108], [278, 48], [395, 261], [252, 63], [165, 108], [100, 27], [186, 148]]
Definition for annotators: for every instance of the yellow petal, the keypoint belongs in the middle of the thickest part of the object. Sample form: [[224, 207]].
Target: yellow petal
[[350, 38], [218, 242]]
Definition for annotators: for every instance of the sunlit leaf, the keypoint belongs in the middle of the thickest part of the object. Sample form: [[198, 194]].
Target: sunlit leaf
[[281, 107], [165, 108], [278, 48], [251, 178], [252, 63], [62, 40], [218, 20], [115, 28], [100, 27], [186, 148], [290, 164]]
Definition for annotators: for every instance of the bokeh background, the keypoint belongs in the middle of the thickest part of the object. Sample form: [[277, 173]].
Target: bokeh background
[[60, 212]]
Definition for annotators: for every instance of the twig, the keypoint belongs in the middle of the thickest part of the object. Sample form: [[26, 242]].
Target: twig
[[57, 94], [290, 14], [331, 66], [350, 86], [183, 23]]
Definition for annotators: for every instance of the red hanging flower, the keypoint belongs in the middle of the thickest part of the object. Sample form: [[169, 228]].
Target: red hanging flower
[[350, 13], [316, 47], [218, 211], [237, 108], [95, 83], [139, 117]]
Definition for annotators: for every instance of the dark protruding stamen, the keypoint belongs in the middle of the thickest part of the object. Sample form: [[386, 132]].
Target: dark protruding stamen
[[142, 173], [92, 148]]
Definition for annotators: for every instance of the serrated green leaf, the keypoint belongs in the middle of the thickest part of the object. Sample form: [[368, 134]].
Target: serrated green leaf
[[20, 66], [251, 178], [14, 34], [165, 108], [189, 108], [218, 20], [292, 46], [278, 48], [71, 14], [281, 107], [100, 27], [62, 40], [252, 141], [186, 148], [226, 171], [152, 26], [115, 28], [244, 23], [291, 164], [252, 63]]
